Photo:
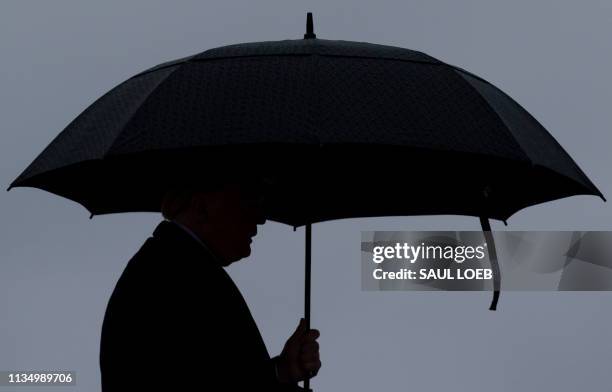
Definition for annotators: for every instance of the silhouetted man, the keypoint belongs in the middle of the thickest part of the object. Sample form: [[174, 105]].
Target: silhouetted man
[[176, 321]]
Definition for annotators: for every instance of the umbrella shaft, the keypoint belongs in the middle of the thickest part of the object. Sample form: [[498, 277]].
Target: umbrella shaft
[[307, 275]]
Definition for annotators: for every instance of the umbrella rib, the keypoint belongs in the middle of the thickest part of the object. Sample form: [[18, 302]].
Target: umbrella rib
[[512, 137], [588, 184], [125, 125]]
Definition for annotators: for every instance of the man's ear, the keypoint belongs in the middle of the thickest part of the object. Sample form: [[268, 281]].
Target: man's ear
[[174, 203], [199, 206]]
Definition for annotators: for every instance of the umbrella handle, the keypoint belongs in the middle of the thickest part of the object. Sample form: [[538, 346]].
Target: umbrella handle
[[486, 228]]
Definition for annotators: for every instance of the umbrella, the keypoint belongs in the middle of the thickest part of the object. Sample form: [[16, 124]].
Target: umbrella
[[346, 129]]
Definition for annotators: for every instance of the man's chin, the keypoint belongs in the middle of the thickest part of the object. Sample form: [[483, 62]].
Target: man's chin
[[245, 252]]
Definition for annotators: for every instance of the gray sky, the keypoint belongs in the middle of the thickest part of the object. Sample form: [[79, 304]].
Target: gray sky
[[58, 268]]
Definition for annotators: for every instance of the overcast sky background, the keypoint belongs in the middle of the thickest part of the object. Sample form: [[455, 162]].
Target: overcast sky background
[[58, 268]]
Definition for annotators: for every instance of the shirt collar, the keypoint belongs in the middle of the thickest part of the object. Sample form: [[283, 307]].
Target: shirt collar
[[198, 239]]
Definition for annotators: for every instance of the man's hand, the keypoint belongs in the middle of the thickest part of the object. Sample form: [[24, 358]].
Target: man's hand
[[300, 357]]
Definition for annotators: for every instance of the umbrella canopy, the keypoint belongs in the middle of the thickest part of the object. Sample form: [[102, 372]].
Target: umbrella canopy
[[348, 129]]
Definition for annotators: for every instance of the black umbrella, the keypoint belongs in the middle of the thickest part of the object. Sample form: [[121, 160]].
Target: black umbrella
[[346, 129]]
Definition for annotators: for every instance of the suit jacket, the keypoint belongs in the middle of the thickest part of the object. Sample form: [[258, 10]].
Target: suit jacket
[[177, 321]]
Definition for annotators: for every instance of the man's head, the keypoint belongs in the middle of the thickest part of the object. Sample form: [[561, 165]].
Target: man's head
[[225, 218]]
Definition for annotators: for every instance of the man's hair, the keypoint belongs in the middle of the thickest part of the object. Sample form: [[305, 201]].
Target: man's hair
[[177, 199]]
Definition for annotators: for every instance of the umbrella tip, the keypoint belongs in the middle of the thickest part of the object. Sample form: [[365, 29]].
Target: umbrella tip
[[91, 215], [309, 27], [11, 187]]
